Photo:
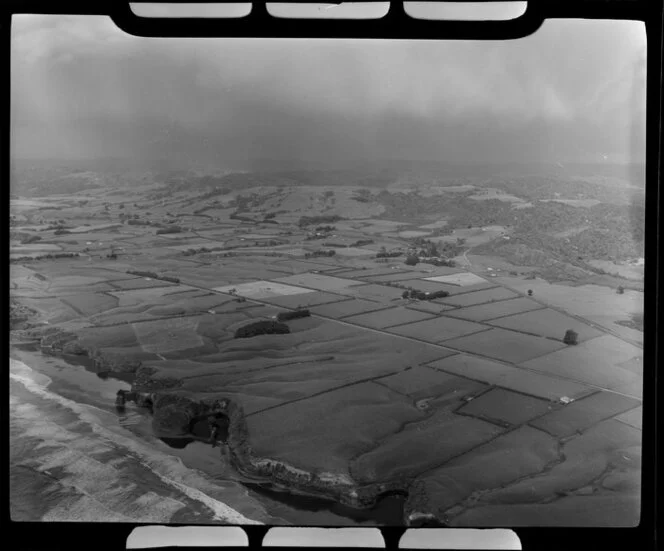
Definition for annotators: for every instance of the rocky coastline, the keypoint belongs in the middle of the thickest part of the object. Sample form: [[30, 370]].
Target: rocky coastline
[[174, 413]]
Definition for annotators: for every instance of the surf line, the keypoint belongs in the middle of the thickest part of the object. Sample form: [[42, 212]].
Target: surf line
[[148, 457]]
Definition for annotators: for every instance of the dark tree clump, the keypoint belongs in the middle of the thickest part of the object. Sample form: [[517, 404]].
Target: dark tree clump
[[571, 337], [264, 327], [411, 260]]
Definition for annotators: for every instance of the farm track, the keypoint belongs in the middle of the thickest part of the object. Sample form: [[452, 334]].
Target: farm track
[[441, 346]]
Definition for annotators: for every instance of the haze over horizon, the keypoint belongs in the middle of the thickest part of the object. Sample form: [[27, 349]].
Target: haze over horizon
[[82, 89]]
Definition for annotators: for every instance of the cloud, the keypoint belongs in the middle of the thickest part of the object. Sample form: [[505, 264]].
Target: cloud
[[81, 87]]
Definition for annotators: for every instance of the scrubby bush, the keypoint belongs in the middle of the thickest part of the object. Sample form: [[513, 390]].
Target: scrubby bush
[[285, 316], [264, 327]]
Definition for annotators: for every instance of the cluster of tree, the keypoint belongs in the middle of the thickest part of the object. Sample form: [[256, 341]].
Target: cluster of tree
[[263, 327], [383, 253], [337, 245], [295, 314], [47, 256], [135, 222], [322, 219], [439, 262], [61, 231], [326, 228], [411, 260], [191, 252], [154, 275], [172, 229], [421, 295], [315, 254]]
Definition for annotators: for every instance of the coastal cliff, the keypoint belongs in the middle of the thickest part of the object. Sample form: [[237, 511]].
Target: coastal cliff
[[175, 412]]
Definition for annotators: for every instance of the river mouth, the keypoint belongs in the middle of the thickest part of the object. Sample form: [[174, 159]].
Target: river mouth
[[388, 510]]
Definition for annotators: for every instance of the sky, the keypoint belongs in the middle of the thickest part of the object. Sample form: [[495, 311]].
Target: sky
[[574, 91]]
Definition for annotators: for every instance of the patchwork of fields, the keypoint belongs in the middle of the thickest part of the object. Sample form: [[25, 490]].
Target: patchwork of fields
[[473, 400]]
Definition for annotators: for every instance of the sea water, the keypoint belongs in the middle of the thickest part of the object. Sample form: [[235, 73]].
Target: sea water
[[74, 456], [77, 461]]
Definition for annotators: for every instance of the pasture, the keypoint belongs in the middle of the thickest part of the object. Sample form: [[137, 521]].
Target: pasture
[[479, 297], [261, 290], [319, 282], [519, 454], [375, 292], [493, 310], [169, 335], [393, 277], [633, 417], [388, 317], [438, 329], [463, 279], [423, 382], [325, 432], [90, 304], [304, 300], [511, 377], [423, 445], [609, 445], [546, 323], [505, 406], [368, 272], [354, 252], [584, 413], [596, 361], [428, 306], [345, 308], [505, 345]]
